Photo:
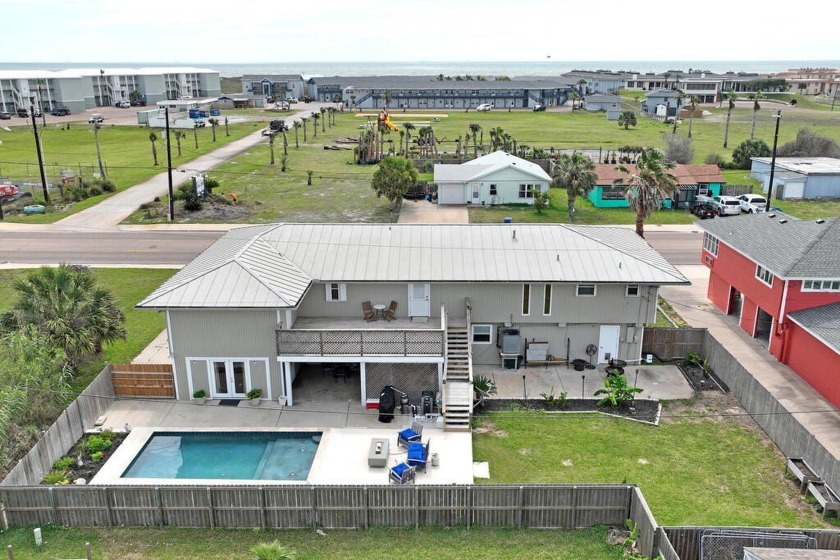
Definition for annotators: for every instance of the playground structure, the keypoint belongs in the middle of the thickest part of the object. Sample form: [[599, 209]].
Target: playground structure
[[385, 121]]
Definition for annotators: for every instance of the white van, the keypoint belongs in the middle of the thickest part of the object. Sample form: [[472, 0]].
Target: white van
[[484, 107]]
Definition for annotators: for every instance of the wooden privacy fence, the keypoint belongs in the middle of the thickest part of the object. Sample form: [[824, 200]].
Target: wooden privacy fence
[[672, 342], [65, 431], [143, 380], [334, 507]]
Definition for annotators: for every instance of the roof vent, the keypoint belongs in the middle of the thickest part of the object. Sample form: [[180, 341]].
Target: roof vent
[[820, 221], [514, 235], [782, 221], [771, 215]]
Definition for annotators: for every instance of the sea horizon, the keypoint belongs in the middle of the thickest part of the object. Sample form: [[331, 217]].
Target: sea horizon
[[451, 68]]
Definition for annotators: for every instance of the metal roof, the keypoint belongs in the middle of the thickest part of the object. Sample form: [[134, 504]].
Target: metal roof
[[398, 83], [786, 246], [486, 165], [805, 165], [272, 266], [822, 322]]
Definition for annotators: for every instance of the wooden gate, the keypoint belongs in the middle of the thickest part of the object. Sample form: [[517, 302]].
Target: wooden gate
[[143, 380]]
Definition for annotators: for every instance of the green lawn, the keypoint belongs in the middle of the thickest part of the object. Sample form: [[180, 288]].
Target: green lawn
[[129, 286], [452, 544], [126, 155], [692, 472]]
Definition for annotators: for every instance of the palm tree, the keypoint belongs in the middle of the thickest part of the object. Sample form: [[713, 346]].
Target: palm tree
[[323, 119], [496, 135], [408, 128], [730, 96], [666, 75], [651, 184], [581, 89], [297, 126], [802, 87], [575, 96], [315, 118], [214, 122], [387, 98], [680, 97], [627, 119], [70, 307], [179, 135], [303, 123], [756, 107], [402, 135], [153, 138], [474, 128], [576, 174], [693, 107], [227, 131]]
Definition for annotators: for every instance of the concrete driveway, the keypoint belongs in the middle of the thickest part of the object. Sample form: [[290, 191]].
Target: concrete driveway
[[423, 212]]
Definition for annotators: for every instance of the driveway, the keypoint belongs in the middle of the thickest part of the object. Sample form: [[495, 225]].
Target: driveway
[[424, 212]]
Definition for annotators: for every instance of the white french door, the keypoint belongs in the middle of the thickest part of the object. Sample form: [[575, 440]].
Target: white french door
[[228, 379], [419, 300]]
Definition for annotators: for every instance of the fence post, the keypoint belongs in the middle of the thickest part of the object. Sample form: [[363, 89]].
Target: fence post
[[470, 508], [521, 506], [54, 508], [88, 553], [416, 507], [159, 495], [314, 509], [367, 507], [262, 507], [108, 507], [574, 507], [210, 508]]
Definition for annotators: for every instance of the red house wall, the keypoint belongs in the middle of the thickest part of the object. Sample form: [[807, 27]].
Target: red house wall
[[797, 299], [815, 362], [718, 292]]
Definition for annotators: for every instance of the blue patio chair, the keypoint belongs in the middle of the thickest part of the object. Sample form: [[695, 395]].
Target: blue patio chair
[[409, 435], [418, 455], [401, 473]]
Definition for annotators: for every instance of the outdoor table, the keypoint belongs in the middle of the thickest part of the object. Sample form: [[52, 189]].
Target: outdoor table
[[378, 452], [380, 309]]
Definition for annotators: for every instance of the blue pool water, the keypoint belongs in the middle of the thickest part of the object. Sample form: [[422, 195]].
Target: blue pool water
[[226, 455]]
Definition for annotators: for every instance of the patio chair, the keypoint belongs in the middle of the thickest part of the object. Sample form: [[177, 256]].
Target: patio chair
[[411, 434], [401, 473], [391, 313], [418, 455], [370, 314]]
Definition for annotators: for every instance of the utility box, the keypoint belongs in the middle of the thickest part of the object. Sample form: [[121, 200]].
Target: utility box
[[510, 341]]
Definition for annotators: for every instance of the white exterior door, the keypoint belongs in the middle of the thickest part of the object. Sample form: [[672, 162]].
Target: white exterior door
[[608, 343], [228, 379], [419, 300], [476, 194]]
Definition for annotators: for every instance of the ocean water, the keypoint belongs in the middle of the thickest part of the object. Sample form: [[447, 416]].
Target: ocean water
[[547, 67]]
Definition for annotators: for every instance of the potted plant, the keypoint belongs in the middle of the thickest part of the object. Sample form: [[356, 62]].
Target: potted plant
[[254, 396], [200, 396]]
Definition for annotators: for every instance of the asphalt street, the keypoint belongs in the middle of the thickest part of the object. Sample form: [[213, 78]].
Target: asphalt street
[[127, 247]]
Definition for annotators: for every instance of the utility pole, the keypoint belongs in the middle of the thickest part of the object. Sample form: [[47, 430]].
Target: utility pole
[[169, 169], [773, 161], [40, 156], [96, 126]]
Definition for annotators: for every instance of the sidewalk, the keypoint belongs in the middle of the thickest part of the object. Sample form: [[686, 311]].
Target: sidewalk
[[790, 390]]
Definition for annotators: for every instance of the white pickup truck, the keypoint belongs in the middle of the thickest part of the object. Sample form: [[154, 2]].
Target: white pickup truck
[[723, 205]]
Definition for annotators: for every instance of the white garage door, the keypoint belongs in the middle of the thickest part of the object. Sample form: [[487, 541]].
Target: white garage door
[[451, 194], [794, 190]]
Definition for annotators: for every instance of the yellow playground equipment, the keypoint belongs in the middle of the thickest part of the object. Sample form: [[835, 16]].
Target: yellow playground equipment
[[385, 120]]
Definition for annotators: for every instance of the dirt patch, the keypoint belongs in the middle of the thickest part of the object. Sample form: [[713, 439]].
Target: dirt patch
[[642, 410], [82, 463], [701, 378], [490, 429], [399, 115]]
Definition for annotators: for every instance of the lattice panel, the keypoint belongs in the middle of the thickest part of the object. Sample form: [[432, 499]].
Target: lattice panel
[[729, 544], [411, 378]]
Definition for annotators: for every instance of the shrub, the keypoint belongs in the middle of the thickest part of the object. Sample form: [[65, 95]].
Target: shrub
[[616, 392], [748, 149], [94, 191], [678, 148], [77, 193], [273, 551], [64, 463], [109, 186], [185, 192], [714, 159], [192, 204], [56, 476], [107, 434], [94, 444], [200, 394], [484, 385], [809, 144], [97, 457], [210, 184]]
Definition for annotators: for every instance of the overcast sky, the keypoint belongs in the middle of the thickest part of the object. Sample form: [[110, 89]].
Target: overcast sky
[[202, 31]]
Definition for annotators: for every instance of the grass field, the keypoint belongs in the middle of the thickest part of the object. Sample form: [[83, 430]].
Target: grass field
[[710, 471], [373, 544], [126, 155], [129, 286]]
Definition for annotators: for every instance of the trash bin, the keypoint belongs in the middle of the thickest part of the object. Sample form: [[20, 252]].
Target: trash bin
[[508, 220]]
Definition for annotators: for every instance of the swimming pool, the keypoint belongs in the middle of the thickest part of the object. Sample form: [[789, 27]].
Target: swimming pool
[[226, 456]]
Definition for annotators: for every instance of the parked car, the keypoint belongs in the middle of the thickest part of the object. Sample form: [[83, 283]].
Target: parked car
[[5, 115], [60, 112], [484, 107], [123, 104], [703, 210], [37, 113], [752, 203], [96, 118], [726, 205], [23, 113], [539, 107], [137, 103], [292, 100], [199, 123], [306, 99]]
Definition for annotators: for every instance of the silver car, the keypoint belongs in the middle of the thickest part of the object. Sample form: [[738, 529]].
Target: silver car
[[727, 205], [752, 203]]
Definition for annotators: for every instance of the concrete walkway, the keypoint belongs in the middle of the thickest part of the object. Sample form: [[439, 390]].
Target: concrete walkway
[[791, 390], [423, 212]]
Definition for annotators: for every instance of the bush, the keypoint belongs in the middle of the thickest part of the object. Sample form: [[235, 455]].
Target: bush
[[94, 191], [200, 394], [77, 194], [210, 184], [714, 159], [254, 394], [56, 476], [678, 148], [64, 463], [109, 186], [107, 434], [809, 144], [748, 149], [185, 192], [96, 457], [95, 444], [192, 204]]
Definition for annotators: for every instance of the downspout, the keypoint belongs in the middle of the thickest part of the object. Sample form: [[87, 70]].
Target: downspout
[[782, 326]]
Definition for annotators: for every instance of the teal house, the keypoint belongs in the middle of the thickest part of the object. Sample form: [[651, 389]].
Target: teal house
[[692, 180]]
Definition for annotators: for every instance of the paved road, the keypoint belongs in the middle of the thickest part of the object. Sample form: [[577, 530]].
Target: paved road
[[135, 247]]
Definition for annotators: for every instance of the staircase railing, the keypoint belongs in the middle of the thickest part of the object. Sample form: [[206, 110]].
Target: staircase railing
[[468, 314]]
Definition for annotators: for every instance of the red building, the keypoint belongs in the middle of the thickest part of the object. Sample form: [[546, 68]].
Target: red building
[[780, 277]]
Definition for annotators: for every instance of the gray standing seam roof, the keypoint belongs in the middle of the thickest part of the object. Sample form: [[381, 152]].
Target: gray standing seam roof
[[793, 249], [822, 321], [273, 266]]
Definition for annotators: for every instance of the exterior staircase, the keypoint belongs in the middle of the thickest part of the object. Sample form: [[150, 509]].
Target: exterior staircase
[[458, 375]]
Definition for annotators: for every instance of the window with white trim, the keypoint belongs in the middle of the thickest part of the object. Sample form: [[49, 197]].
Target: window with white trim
[[586, 290], [482, 334], [526, 299], [336, 292], [711, 243], [832, 285], [764, 275], [547, 300], [527, 191], [632, 290], [494, 191]]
